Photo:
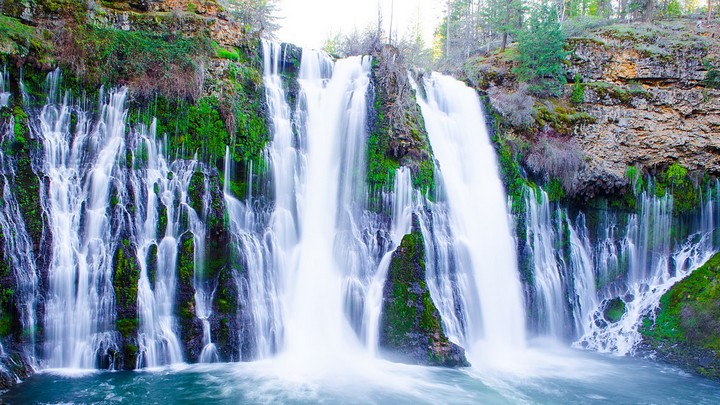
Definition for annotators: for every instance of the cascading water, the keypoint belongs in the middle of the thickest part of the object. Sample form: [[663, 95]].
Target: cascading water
[[204, 286], [632, 258], [18, 246], [4, 91], [488, 290], [332, 113], [315, 270], [655, 262], [79, 163], [401, 200], [161, 196]]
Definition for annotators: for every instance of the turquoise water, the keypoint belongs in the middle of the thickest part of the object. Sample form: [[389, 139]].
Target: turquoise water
[[560, 376]]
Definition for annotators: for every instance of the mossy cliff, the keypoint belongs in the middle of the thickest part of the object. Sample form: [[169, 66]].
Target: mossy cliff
[[685, 329], [398, 136], [184, 63], [410, 326]]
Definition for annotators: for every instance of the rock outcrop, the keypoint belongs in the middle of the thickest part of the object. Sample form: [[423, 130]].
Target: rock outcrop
[[410, 328], [644, 102]]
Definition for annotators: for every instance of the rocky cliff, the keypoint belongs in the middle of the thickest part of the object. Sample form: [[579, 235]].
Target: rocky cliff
[[643, 98]]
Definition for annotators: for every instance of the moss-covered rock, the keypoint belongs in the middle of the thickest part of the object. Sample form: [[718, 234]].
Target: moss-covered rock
[[190, 326], [398, 136], [410, 327], [686, 327]]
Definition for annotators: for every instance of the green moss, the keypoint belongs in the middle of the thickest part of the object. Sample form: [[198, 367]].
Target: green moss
[[125, 277], [6, 310], [148, 61], [24, 40], [196, 189], [128, 327], [614, 310], [186, 259], [410, 309], [555, 190], [676, 180], [689, 312], [621, 94]]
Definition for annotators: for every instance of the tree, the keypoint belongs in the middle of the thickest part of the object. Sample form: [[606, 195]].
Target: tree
[[258, 16], [541, 54]]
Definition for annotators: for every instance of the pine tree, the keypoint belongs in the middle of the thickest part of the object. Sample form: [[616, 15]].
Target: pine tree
[[541, 53]]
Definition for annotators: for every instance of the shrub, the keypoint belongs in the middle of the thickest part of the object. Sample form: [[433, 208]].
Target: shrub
[[556, 158], [517, 107], [578, 91]]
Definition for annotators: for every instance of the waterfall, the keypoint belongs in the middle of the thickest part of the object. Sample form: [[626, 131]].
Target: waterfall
[[204, 286], [4, 91], [655, 261], [313, 269], [18, 246], [631, 261], [161, 202], [79, 164], [332, 113], [483, 259], [401, 200]]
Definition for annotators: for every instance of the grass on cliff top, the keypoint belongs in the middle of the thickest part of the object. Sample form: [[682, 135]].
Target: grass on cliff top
[[690, 311]]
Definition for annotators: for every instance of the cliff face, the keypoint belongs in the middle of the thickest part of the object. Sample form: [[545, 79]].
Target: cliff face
[[644, 101], [645, 88]]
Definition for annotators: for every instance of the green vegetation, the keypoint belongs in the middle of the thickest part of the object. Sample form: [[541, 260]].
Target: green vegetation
[[555, 190], [126, 276], [541, 53], [186, 259], [148, 62], [614, 310], [712, 77], [128, 327], [677, 181], [621, 94], [6, 309], [578, 91], [409, 310]]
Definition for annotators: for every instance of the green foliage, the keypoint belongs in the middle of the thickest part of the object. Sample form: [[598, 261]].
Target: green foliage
[[636, 179], [196, 189], [677, 182], [674, 9], [690, 311], [223, 53], [511, 175], [614, 310], [555, 190], [712, 77], [6, 318], [125, 277], [24, 40], [128, 326], [578, 91], [541, 53], [186, 259]]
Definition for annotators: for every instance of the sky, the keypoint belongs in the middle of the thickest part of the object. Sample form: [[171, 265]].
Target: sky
[[309, 22]]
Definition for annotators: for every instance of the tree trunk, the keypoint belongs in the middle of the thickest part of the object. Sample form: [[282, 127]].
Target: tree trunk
[[505, 28]]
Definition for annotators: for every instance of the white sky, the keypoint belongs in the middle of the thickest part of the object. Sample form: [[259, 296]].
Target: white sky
[[309, 22]]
